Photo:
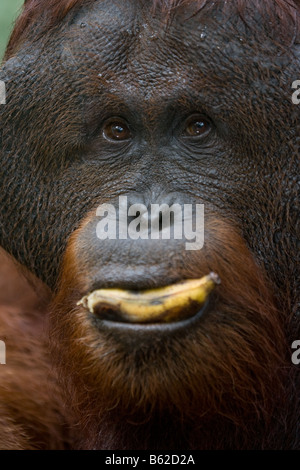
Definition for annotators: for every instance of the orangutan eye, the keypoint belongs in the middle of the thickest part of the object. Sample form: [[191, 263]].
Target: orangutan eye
[[116, 130], [197, 127]]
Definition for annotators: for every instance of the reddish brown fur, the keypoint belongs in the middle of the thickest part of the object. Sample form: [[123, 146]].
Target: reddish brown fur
[[30, 419], [25, 374], [234, 362]]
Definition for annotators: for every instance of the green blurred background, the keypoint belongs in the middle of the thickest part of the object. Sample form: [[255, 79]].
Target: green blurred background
[[9, 10]]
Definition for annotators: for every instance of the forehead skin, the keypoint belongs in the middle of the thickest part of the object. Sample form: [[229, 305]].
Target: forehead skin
[[137, 55], [148, 66]]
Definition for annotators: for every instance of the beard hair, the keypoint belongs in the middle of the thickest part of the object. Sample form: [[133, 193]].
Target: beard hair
[[222, 383]]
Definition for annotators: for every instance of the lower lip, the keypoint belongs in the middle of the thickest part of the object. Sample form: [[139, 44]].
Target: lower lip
[[107, 325]]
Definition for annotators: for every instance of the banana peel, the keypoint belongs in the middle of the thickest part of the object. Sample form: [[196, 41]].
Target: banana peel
[[164, 304]]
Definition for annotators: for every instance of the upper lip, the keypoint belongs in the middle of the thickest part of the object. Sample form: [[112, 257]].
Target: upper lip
[[135, 278]]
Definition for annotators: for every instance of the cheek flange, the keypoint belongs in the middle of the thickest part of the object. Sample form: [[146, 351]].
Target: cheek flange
[[167, 304]]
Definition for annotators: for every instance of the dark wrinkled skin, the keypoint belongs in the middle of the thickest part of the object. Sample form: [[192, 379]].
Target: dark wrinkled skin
[[154, 79], [117, 60]]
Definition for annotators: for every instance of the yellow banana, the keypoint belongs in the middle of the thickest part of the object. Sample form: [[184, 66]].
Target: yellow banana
[[164, 304]]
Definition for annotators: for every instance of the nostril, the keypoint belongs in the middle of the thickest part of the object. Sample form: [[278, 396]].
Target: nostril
[[166, 218], [137, 214], [156, 210], [160, 222]]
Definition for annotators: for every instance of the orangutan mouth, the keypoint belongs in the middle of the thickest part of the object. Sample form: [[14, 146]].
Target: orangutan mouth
[[168, 304]]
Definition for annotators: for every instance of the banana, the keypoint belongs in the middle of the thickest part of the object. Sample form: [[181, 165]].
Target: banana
[[164, 304]]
